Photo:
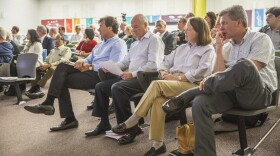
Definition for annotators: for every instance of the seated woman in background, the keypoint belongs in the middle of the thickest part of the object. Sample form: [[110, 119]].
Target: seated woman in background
[[45, 71], [127, 32], [33, 46], [211, 19], [85, 46], [181, 70]]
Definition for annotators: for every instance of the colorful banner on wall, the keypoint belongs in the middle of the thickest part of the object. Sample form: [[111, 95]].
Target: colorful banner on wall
[[69, 27], [171, 19], [259, 18], [249, 15], [52, 22], [76, 21], [89, 21]]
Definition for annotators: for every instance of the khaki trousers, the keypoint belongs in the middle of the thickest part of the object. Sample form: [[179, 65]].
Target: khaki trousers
[[157, 93], [42, 82]]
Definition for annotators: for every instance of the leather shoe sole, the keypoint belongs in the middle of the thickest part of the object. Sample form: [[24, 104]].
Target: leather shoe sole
[[40, 109], [153, 151], [35, 95], [98, 130], [64, 126]]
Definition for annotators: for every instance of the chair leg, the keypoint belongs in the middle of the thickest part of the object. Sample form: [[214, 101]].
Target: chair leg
[[244, 149], [18, 92]]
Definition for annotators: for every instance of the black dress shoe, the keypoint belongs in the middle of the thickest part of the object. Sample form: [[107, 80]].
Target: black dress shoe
[[65, 125], [120, 128], [153, 151], [40, 109], [130, 135], [98, 130], [35, 95], [173, 105]]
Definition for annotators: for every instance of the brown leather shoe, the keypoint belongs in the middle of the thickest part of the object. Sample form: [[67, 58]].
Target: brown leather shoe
[[64, 126]]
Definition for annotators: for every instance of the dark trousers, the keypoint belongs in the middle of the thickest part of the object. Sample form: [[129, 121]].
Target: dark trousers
[[238, 86], [101, 99], [66, 76], [122, 91]]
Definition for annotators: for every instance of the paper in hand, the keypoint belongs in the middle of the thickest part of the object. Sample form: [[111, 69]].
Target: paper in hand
[[111, 67]]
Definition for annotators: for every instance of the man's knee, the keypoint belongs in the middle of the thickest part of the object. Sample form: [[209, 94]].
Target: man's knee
[[200, 105], [244, 65], [116, 87]]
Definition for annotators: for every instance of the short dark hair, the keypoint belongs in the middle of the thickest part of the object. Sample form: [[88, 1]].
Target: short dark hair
[[89, 32], [62, 28], [110, 22], [201, 27], [212, 17], [183, 20], [274, 11], [16, 28]]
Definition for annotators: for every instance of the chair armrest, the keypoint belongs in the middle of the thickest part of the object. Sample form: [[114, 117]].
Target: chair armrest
[[145, 78]]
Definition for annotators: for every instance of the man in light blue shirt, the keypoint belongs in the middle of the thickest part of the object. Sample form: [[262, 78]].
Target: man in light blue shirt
[[83, 75], [146, 54]]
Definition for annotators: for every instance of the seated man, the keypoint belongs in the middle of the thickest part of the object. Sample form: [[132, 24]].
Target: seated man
[[57, 55], [273, 27], [82, 76], [145, 55], [167, 37], [6, 55], [181, 70], [244, 77], [47, 42]]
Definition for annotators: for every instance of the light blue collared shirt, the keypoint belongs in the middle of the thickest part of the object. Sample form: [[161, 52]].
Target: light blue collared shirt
[[112, 49], [145, 54]]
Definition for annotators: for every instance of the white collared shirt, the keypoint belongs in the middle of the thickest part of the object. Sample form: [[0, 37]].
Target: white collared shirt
[[145, 54]]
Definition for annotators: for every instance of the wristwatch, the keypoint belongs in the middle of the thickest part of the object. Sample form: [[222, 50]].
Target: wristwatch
[[179, 78]]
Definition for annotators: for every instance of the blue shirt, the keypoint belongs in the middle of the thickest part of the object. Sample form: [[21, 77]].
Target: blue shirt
[[6, 52], [112, 49]]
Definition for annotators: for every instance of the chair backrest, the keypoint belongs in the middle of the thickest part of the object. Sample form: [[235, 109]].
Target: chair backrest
[[26, 65], [275, 95]]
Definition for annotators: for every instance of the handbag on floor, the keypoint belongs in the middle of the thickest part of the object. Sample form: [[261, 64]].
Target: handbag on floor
[[185, 138]]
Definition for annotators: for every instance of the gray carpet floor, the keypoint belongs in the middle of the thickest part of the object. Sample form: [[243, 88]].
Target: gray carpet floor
[[26, 134]]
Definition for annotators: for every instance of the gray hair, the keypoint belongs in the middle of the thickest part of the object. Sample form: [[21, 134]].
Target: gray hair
[[54, 30], [235, 13], [3, 33], [42, 29], [142, 18]]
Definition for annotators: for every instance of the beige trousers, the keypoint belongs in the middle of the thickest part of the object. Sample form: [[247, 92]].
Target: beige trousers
[[157, 93], [42, 81]]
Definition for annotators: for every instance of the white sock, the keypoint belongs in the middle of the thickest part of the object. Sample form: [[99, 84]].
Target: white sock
[[157, 144], [132, 121]]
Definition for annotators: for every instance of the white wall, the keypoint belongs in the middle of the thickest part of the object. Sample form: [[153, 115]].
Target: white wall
[[28, 13], [218, 5], [23, 13]]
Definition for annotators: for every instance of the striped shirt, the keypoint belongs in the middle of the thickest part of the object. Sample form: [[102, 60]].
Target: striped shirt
[[254, 46], [196, 62]]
